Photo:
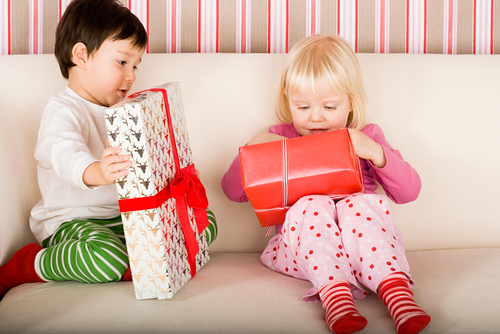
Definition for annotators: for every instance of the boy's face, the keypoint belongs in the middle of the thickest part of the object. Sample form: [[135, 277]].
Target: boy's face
[[110, 72]]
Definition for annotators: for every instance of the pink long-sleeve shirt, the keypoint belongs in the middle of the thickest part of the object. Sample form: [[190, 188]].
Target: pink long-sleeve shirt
[[399, 180]]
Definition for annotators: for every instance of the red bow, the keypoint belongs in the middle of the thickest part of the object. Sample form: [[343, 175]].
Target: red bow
[[187, 189]]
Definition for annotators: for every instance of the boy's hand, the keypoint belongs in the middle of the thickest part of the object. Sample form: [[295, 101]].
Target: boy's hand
[[114, 166], [111, 167]]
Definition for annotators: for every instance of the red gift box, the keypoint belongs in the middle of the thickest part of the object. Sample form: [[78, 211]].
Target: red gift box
[[277, 174]]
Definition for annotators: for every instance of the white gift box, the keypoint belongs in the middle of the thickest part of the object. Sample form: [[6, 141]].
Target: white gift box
[[164, 244]]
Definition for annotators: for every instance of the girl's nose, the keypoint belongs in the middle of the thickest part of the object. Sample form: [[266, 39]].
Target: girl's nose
[[316, 115]]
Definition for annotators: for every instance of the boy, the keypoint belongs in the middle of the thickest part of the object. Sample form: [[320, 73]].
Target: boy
[[99, 44]]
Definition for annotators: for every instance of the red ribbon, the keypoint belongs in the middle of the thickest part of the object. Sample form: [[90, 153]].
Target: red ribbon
[[186, 188]]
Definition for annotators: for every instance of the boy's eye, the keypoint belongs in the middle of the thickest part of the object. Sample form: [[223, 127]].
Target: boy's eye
[[122, 62], [135, 68]]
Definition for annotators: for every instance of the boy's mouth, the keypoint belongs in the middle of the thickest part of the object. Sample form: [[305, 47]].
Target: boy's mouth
[[122, 93]]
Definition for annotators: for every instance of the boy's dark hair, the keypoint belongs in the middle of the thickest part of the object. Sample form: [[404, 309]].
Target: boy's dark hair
[[92, 22]]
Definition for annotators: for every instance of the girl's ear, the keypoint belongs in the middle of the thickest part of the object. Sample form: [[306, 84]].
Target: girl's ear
[[79, 55]]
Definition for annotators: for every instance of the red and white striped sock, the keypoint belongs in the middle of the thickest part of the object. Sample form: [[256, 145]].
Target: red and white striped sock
[[408, 317], [341, 314]]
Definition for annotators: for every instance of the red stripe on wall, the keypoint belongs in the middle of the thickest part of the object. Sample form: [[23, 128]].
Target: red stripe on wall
[[268, 26], [450, 26], [492, 32], [313, 17], [287, 23], [338, 17], [425, 26], [35, 27], [9, 29], [173, 39], [147, 24], [474, 32], [199, 26], [382, 26], [356, 27], [243, 41], [407, 25], [217, 29]]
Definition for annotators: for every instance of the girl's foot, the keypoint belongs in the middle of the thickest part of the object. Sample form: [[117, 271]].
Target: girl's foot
[[408, 317], [341, 314], [20, 269]]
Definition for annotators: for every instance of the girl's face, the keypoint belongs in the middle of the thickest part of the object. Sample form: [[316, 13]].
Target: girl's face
[[312, 115]]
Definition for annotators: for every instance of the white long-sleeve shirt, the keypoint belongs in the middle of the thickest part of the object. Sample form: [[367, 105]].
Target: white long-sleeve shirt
[[72, 135]]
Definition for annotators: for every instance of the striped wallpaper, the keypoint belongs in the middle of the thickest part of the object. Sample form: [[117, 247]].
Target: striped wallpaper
[[273, 26]]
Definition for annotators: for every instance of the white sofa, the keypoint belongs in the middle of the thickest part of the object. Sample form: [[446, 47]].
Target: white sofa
[[442, 112]]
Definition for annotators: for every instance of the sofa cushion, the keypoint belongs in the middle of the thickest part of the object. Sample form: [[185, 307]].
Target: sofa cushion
[[235, 293]]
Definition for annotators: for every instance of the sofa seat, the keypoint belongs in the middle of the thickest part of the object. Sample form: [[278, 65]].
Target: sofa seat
[[440, 111], [453, 286]]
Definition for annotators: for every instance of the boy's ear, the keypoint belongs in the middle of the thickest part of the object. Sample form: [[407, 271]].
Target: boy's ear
[[79, 55]]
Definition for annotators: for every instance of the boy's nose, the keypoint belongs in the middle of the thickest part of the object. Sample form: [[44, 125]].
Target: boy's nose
[[130, 76]]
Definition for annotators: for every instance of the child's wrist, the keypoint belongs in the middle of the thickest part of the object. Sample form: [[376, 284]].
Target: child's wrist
[[379, 159], [93, 176]]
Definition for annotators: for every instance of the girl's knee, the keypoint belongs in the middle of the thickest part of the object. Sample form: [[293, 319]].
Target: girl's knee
[[314, 201], [317, 203]]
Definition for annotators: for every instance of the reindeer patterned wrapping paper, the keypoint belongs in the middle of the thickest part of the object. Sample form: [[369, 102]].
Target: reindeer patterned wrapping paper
[[156, 242]]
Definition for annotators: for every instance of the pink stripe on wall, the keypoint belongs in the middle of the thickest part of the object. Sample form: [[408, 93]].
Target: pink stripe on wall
[[382, 15], [483, 26], [313, 17], [173, 26], [141, 9], [63, 4], [416, 26], [36, 26], [5, 28], [347, 21], [450, 27], [208, 26], [217, 22], [278, 26], [243, 26]]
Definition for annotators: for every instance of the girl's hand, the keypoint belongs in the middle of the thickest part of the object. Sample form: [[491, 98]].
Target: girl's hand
[[265, 137], [368, 149]]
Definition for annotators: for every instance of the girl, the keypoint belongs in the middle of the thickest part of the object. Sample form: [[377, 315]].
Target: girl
[[345, 246]]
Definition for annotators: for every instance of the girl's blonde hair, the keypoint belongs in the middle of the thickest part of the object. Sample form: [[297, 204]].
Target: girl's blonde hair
[[323, 65]]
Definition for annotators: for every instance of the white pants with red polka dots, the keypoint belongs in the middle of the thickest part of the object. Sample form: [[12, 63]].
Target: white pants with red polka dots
[[353, 239]]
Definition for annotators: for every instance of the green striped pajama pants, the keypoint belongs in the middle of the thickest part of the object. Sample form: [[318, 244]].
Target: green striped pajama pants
[[91, 251]]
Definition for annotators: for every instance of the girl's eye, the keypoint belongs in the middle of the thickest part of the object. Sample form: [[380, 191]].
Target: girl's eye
[[303, 108], [330, 108]]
